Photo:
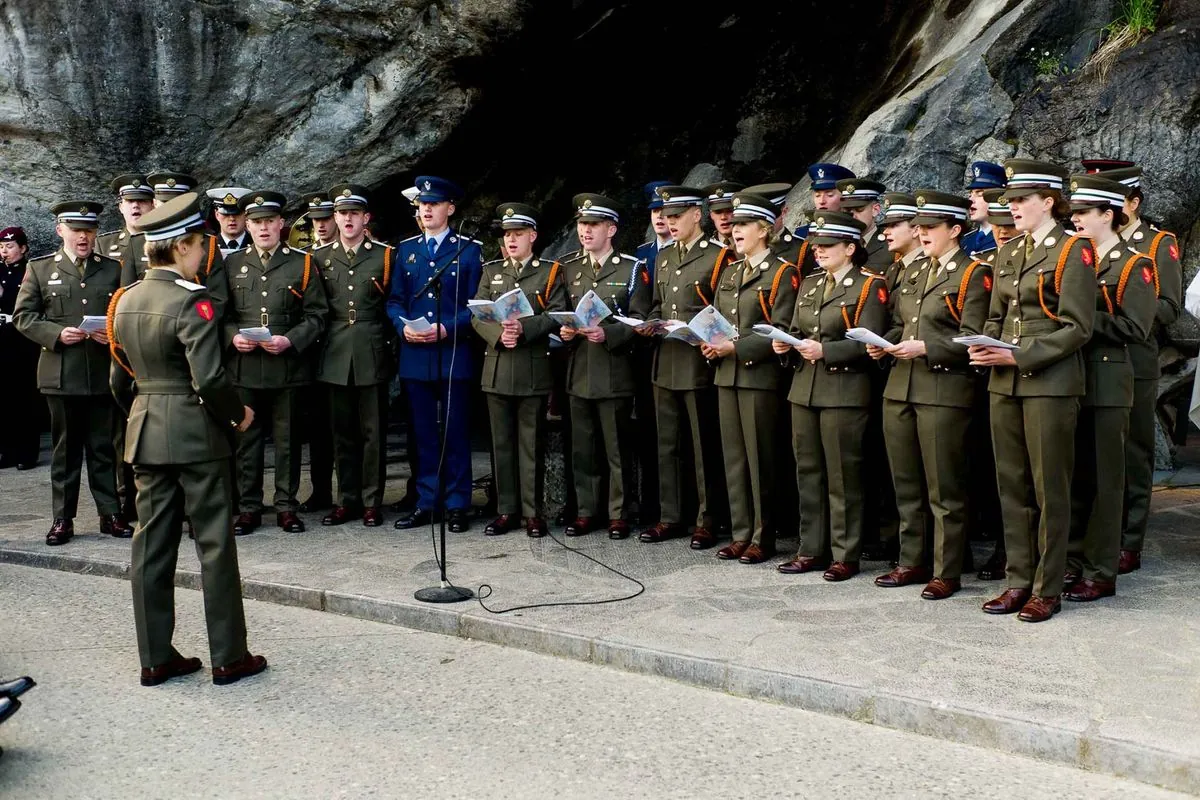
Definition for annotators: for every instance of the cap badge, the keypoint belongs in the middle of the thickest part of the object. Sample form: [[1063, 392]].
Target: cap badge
[[428, 185], [1074, 186], [920, 199], [83, 209], [346, 192], [977, 172], [508, 212], [171, 182], [849, 188], [588, 203], [1008, 171], [258, 201], [820, 222], [316, 201], [1003, 200], [737, 201], [229, 200], [821, 173], [887, 204]]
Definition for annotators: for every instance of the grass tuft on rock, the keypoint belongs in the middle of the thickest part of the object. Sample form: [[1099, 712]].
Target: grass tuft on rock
[[1134, 21]]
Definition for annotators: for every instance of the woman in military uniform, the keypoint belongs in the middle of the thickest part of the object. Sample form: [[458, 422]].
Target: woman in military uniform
[[831, 394], [758, 289], [930, 390], [1125, 307], [1044, 304]]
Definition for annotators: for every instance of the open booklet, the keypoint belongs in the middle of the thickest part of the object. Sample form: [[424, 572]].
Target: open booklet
[[980, 340], [259, 334], [419, 325], [92, 324], [771, 332], [655, 325], [588, 314], [512, 305], [707, 327]]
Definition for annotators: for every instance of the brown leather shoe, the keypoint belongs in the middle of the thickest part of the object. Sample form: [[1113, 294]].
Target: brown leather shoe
[[60, 532], [703, 538], [502, 525], [1129, 561], [1009, 602], [941, 588], [535, 527], [372, 517], [153, 676], [244, 667], [580, 526], [1040, 609], [841, 571], [801, 564], [618, 529], [246, 523], [1087, 590], [114, 526], [994, 568], [341, 515], [289, 522], [732, 551], [756, 555], [902, 576], [1070, 578], [662, 532]]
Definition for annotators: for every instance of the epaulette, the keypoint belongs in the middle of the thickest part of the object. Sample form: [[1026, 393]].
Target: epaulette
[[376, 241], [628, 257], [493, 261], [411, 238], [317, 247], [578, 254], [108, 233], [476, 241], [643, 244], [46, 257], [191, 287]]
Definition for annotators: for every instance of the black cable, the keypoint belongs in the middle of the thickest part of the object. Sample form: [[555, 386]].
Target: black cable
[[480, 594]]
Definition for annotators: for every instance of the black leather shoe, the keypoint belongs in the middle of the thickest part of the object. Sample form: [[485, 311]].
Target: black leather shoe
[[247, 523], [316, 503], [177, 668], [405, 505], [418, 518], [373, 517], [458, 521], [502, 525], [8, 707], [535, 527], [245, 667], [341, 515], [114, 526], [60, 532], [17, 686], [289, 522]]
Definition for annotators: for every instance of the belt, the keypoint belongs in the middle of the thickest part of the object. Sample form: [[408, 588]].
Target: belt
[[164, 386], [1029, 327]]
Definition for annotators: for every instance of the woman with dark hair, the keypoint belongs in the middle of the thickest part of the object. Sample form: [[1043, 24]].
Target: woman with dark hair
[[1042, 307], [831, 394]]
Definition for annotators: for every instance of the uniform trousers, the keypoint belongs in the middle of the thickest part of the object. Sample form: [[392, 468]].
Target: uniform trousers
[[359, 416], [683, 417], [644, 450], [598, 439], [518, 435], [82, 424], [1034, 442], [828, 444], [164, 494], [1096, 492], [278, 408], [749, 440], [1139, 462], [314, 405], [456, 459]]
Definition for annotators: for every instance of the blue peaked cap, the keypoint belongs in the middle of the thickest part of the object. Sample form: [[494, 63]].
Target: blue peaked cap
[[986, 175], [432, 189]]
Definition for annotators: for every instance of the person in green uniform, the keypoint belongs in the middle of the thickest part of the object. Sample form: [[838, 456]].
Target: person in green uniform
[[1044, 303], [357, 361], [276, 292], [60, 294], [1163, 248], [929, 395], [226, 203], [600, 368], [1126, 305], [831, 394], [758, 289], [862, 198], [719, 199], [685, 281], [516, 369], [166, 370]]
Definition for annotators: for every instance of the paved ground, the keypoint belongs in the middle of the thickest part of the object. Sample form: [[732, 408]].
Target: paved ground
[[1114, 686], [358, 709]]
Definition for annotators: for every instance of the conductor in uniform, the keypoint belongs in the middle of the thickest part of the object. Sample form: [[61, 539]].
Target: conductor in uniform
[[167, 371]]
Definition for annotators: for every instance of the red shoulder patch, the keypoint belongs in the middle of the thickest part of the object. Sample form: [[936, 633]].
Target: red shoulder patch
[[881, 293], [1174, 251], [987, 283], [646, 276], [1147, 275], [795, 281], [205, 309], [1086, 255]]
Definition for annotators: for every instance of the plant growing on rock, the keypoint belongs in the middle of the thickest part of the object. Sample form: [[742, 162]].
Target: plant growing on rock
[[1134, 21]]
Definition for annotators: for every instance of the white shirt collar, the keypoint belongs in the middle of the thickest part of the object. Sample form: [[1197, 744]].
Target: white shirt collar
[[439, 238]]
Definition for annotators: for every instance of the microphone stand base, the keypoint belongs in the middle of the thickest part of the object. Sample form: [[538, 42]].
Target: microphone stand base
[[443, 594]]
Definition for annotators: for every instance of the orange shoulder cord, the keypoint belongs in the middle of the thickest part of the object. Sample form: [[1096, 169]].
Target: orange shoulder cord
[[212, 254], [113, 348], [801, 254], [956, 308], [716, 273], [769, 304], [863, 295], [549, 284], [1125, 273], [1058, 273], [1154, 259], [307, 272], [387, 264]]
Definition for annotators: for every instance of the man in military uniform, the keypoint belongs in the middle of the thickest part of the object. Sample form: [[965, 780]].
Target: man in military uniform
[[356, 361], [647, 252], [862, 199], [600, 374], [166, 342], [59, 292], [135, 197], [20, 406], [226, 203], [1163, 249], [438, 256], [516, 369], [786, 244], [314, 399], [825, 194], [984, 176], [686, 280], [275, 288], [719, 197]]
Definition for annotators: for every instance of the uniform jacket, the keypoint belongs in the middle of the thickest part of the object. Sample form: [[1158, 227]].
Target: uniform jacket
[[167, 372], [359, 342], [212, 272], [956, 304], [879, 258], [1125, 307], [524, 370], [1045, 304], [977, 243], [647, 253], [603, 370], [113, 244], [1163, 249], [681, 289], [288, 297], [57, 294], [748, 296], [841, 379], [410, 299]]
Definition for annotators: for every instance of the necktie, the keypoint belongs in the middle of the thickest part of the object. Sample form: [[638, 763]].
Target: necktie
[[266, 257], [829, 281], [350, 254], [934, 267], [682, 251], [431, 243], [1028, 246], [231, 245]]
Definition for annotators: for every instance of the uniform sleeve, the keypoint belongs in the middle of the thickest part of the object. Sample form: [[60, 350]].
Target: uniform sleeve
[[654, 310], [398, 294], [216, 280], [895, 325], [541, 324], [128, 268], [488, 331], [942, 351], [120, 377], [751, 346], [874, 317], [29, 314], [315, 306], [471, 271], [1076, 312], [993, 326], [618, 335], [643, 292], [198, 330], [1134, 311], [1170, 279]]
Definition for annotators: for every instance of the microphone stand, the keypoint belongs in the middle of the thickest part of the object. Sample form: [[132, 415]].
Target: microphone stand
[[444, 592]]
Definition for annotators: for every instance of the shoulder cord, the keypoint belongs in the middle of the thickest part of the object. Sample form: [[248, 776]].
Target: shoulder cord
[[113, 348]]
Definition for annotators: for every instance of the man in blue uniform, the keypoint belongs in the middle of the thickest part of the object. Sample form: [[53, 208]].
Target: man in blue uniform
[[984, 175], [648, 251], [825, 193], [457, 263]]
